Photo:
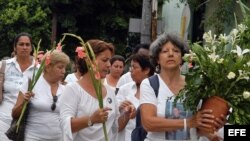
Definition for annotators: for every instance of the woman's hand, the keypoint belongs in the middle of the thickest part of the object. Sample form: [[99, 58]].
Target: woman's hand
[[208, 125], [100, 115], [220, 122], [27, 96], [127, 109], [202, 119]]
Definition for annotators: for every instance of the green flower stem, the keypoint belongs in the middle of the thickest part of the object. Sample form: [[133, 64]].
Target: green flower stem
[[21, 116], [105, 131], [90, 60], [32, 83]]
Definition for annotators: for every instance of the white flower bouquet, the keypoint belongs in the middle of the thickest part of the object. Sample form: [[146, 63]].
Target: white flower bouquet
[[222, 68]]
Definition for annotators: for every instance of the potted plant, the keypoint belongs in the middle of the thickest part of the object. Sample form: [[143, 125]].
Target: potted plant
[[222, 69]]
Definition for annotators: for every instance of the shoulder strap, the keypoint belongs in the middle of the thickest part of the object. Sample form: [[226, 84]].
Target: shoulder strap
[[2, 70], [154, 83], [3, 67]]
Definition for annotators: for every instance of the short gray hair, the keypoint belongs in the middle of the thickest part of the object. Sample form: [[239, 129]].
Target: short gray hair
[[156, 46]]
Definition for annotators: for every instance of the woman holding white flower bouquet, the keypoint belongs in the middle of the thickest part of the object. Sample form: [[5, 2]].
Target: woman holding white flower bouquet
[[156, 112], [17, 68], [43, 119]]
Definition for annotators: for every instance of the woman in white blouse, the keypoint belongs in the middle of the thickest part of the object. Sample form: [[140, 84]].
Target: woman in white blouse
[[157, 112], [129, 94], [17, 68], [116, 69], [80, 116], [43, 118]]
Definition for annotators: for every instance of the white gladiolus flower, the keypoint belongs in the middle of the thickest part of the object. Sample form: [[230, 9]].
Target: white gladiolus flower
[[220, 61], [239, 51], [207, 36], [231, 75], [246, 77], [214, 48], [240, 72], [223, 38], [246, 94], [207, 49], [242, 27], [248, 63], [213, 56], [234, 32]]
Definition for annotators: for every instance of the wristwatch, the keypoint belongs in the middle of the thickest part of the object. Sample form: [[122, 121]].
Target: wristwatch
[[90, 122]]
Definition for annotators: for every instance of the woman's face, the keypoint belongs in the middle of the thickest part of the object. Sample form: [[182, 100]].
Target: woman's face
[[57, 71], [103, 62], [23, 46], [137, 73], [117, 68], [170, 56]]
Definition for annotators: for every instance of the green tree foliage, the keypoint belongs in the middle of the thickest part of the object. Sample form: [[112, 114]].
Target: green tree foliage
[[22, 16], [106, 19]]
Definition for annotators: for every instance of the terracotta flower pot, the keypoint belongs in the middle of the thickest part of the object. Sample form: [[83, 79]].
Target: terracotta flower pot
[[218, 105]]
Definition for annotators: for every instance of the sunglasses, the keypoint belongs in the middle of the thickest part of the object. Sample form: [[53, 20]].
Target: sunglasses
[[53, 106]]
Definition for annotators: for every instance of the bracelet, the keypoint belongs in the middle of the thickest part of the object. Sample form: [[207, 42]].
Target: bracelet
[[90, 123], [185, 124]]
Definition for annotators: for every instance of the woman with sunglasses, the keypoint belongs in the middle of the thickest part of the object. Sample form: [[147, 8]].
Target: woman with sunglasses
[[43, 119]]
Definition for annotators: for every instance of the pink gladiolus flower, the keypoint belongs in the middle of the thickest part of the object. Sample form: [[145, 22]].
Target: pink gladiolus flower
[[80, 52], [59, 47], [79, 49], [97, 76], [190, 65], [47, 61]]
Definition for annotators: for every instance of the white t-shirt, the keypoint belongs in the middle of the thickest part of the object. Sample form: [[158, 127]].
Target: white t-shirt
[[71, 78], [125, 78], [164, 108], [13, 80], [42, 122], [127, 92], [105, 82], [76, 102]]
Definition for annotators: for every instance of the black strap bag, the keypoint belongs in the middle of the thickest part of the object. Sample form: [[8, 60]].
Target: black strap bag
[[18, 135], [139, 133]]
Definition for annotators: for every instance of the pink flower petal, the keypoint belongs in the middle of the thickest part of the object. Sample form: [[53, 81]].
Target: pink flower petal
[[81, 54], [47, 61], [97, 76], [79, 49], [59, 47]]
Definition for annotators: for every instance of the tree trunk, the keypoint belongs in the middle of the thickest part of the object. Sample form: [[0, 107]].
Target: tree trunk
[[54, 28], [154, 20], [146, 22]]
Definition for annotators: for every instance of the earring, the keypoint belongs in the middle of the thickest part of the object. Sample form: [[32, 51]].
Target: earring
[[157, 68]]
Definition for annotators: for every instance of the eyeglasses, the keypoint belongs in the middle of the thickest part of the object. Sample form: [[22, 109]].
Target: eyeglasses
[[53, 106], [134, 68]]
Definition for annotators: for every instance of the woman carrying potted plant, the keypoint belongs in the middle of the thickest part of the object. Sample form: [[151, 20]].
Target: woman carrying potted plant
[[166, 53]]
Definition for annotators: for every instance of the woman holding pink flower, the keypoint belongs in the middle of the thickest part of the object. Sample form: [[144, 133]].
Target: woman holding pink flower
[[81, 116], [43, 119], [17, 68]]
